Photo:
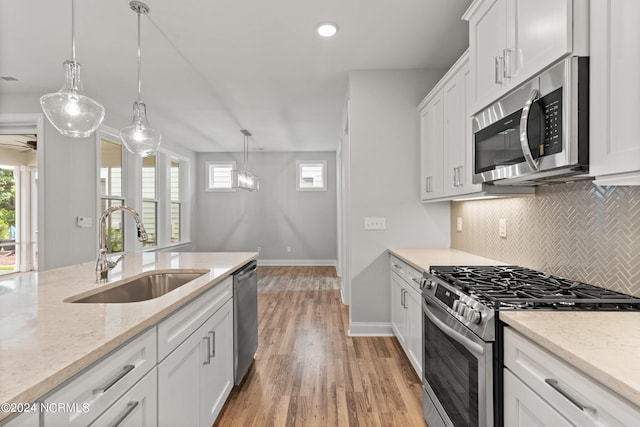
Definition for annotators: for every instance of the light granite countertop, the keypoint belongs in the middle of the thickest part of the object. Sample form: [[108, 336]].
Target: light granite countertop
[[422, 259], [44, 341], [603, 345]]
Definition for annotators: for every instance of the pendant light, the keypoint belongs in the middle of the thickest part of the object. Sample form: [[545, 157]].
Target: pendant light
[[243, 179], [69, 110], [139, 137]]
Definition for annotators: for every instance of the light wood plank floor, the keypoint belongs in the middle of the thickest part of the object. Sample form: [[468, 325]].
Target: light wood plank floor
[[308, 372]]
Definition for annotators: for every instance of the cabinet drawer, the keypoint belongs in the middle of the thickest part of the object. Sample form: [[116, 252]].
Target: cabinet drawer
[[98, 387], [565, 387], [176, 328], [408, 273], [137, 407]]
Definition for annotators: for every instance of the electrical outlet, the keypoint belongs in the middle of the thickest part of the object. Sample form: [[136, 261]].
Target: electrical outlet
[[375, 223], [288, 248], [259, 248], [502, 227], [459, 223]]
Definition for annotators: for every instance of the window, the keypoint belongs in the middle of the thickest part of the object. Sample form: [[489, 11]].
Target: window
[[111, 193], [149, 200], [219, 176], [311, 175], [175, 206]]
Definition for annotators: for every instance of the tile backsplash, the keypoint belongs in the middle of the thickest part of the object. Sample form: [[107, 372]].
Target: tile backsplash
[[577, 230]]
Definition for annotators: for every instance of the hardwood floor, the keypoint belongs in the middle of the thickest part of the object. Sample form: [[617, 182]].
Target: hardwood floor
[[308, 372]]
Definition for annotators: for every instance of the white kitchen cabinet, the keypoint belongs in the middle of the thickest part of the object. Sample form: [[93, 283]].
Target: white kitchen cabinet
[[137, 407], [512, 40], [431, 147], [524, 408], [614, 149], [197, 377], [541, 389], [406, 310], [25, 419], [98, 387]]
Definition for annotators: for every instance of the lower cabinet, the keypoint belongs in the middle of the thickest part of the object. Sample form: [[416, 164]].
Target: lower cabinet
[[25, 419], [137, 407], [542, 390], [406, 311], [196, 378]]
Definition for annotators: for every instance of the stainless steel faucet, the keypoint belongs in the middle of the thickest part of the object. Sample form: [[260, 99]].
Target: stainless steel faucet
[[103, 265]]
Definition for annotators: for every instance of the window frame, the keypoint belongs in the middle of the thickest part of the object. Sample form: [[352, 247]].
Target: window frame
[[171, 201], [111, 137], [208, 165], [300, 164], [155, 201]]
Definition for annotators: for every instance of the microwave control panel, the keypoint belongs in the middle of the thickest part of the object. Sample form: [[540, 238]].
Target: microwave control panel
[[551, 106]]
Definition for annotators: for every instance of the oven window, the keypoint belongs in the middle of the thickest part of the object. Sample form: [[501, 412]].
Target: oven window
[[498, 144], [452, 372]]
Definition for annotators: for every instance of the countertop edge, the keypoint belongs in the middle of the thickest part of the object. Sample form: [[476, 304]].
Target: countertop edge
[[42, 388]]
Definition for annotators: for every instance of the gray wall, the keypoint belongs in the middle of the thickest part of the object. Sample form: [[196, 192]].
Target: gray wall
[[383, 181], [273, 218], [67, 177]]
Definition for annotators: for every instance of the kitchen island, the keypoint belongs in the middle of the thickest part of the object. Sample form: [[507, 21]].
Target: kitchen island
[[45, 341]]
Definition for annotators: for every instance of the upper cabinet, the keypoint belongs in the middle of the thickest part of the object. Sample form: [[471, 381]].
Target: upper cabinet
[[512, 40], [445, 137], [614, 92]]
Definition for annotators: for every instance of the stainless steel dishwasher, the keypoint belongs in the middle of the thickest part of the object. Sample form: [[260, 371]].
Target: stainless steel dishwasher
[[245, 319]]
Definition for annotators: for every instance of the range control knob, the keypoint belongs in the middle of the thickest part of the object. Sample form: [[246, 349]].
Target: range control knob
[[462, 309], [427, 283], [456, 305], [472, 316]]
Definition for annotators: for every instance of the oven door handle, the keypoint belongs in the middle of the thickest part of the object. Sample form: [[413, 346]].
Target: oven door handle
[[455, 335], [534, 164]]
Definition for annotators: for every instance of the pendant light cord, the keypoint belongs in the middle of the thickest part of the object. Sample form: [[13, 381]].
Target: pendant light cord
[[139, 62], [73, 30]]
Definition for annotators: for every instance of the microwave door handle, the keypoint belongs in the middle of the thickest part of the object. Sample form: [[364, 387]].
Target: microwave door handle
[[473, 347], [534, 164]]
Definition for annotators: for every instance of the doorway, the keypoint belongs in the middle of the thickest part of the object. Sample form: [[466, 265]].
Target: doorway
[[18, 203]]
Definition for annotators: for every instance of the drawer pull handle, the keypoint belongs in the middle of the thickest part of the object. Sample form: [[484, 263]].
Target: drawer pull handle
[[121, 375], [129, 409], [415, 279], [397, 266], [212, 334], [207, 352], [554, 384]]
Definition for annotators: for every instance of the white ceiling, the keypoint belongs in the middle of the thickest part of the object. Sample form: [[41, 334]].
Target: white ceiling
[[211, 68]]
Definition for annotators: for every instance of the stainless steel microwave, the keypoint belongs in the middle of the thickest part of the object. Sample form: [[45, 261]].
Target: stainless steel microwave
[[538, 133]]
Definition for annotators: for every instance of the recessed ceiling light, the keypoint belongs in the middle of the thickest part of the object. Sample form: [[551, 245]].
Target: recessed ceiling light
[[327, 29]]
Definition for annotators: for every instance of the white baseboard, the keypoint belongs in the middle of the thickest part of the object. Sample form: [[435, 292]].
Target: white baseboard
[[370, 329], [298, 262]]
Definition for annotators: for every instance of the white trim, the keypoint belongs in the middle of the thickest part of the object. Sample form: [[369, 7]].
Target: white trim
[[207, 166], [370, 329], [297, 262]]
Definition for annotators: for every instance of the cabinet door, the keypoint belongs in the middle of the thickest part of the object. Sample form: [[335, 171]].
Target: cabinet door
[[216, 380], [614, 92], [454, 132], [137, 407], [431, 148], [398, 315], [539, 33], [524, 408], [179, 377], [413, 301], [487, 41]]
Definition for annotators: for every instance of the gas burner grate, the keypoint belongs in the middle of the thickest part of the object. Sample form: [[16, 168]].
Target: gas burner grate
[[515, 287]]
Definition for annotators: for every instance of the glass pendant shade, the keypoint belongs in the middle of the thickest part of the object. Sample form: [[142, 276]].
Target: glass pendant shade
[[69, 110], [245, 180], [139, 137]]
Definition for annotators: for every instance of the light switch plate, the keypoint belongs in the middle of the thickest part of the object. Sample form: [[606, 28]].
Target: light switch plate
[[84, 222], [375, 223], [459, 223]]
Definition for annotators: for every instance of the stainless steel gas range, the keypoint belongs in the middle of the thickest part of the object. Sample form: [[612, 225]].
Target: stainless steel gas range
[[462, 346]]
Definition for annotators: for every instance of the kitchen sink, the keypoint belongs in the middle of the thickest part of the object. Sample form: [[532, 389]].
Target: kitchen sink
[[141, 288]]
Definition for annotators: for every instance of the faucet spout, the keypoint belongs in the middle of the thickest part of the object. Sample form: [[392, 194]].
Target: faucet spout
[[103, 265]]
